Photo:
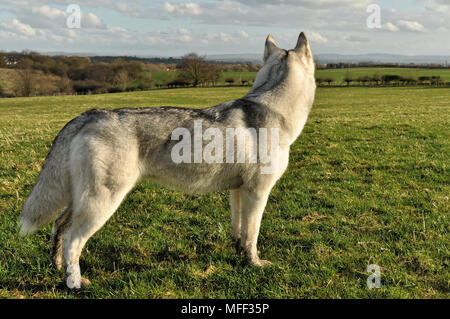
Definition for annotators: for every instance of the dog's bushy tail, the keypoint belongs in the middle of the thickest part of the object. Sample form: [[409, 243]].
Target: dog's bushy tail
[[43, 203], [52, 189]]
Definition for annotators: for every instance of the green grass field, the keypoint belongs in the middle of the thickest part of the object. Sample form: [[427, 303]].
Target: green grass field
[[367, 183]]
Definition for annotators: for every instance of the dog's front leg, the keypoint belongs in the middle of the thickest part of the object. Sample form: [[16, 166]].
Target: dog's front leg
[[253, 203]]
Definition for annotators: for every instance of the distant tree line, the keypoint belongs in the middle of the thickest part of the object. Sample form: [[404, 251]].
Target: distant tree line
[[386, 80], [36, 74], [46, 75], [348, 65]]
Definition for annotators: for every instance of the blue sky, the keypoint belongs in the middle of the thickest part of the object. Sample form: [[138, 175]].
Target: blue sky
[[400, 4], [172, 28]]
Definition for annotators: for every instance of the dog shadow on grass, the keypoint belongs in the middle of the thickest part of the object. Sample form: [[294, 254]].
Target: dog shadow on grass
[[100, 262], [131, 259]]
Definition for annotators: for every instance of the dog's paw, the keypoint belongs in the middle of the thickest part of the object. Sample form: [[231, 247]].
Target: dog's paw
[[85, 282], [255, 261], [264, 263], [261, 263], [73, 282]]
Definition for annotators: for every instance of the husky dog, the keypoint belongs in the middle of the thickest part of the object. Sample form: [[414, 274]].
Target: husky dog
[[98, 157]]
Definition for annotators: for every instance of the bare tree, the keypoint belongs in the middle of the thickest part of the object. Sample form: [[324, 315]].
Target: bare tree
[[376, 78], [145, 81], [121, 79], [2, 60], [24, 85], [64, 85], [194, 68]]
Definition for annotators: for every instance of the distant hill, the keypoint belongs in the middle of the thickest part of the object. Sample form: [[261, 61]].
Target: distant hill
[[326, 58], [62, 53], [108, 59], [323, 58], [230, 58], [383, 58]]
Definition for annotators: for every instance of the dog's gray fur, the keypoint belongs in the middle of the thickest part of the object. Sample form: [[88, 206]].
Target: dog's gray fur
[[98, 157]]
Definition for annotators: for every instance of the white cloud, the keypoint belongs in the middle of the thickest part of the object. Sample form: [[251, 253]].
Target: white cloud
[[183, 9], [391, 27], [218, 37], [49, 18], [411, 25], [224, 37], [169, 7], [183, 35], [316, 4], [227, 26], [48, 12], [193, 8], [316, 37], [91, 20], [127, 10], [16, 27], [242, 34]]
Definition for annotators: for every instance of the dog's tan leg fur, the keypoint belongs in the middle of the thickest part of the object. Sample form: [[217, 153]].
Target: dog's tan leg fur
[[62, 223]]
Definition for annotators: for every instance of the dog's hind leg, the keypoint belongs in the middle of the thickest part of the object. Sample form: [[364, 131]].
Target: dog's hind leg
[[99, 185], [60, 225], [235, 204], [87, 219]]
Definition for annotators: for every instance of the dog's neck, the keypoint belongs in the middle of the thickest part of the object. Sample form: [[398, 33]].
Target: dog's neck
[[291, 101]]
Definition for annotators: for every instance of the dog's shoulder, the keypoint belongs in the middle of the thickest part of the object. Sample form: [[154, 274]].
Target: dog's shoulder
[[252, 113]]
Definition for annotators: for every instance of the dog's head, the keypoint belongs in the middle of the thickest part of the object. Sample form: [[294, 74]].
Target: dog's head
[[279, 64]]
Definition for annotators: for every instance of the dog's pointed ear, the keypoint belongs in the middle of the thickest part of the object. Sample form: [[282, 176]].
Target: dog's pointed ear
[[270, 47], [302, 47]]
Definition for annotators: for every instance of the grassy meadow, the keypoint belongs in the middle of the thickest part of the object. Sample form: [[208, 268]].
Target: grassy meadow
[[367, 183]]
